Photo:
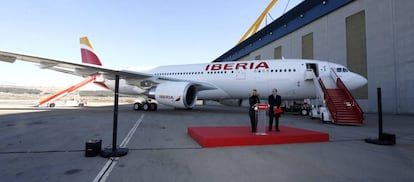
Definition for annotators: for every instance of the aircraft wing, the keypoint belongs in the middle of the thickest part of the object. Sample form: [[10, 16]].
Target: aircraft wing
[[81, 69]]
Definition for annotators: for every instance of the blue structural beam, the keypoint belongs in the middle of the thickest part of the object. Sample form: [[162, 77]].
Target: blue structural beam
[[299, 16]]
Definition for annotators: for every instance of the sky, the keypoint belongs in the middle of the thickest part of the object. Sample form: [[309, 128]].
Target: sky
[[124, 34]]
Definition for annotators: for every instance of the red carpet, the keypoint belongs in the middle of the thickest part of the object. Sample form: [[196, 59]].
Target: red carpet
[[219, 136]]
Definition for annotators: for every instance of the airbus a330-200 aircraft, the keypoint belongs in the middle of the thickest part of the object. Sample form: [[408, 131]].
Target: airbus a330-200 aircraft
[[180, 86]]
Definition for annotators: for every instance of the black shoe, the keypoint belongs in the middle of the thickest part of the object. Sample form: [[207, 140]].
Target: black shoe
[[277, 130]]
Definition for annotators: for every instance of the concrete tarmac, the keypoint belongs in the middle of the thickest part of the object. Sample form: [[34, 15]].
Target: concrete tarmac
[[42, 144]]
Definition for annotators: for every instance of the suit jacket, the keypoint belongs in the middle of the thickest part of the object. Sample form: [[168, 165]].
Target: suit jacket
[[254, 99], [274, 101]]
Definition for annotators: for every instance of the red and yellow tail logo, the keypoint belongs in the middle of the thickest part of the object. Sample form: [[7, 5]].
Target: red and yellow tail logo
[[87, 52]]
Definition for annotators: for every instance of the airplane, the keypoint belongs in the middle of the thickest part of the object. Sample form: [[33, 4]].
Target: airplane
[[180, 86]]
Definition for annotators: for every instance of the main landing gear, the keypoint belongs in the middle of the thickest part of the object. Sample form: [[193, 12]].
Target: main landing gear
[[146, 106]]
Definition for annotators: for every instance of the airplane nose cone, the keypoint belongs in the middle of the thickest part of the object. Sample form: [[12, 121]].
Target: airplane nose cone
[[354, 81], [358, 81]]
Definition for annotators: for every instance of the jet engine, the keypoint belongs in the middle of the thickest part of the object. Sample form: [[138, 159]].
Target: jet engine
[[176, 94]]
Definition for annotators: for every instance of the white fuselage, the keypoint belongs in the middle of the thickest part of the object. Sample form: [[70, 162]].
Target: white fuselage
[[235, 80]]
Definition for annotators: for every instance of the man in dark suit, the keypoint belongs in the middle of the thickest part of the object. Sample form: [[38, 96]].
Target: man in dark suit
[[274, 101]]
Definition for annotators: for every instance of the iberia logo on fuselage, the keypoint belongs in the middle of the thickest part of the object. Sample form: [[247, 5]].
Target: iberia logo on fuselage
[[169, 97], [237, 66]]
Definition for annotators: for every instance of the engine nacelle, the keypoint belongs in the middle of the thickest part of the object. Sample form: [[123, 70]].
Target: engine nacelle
[[176, 94]]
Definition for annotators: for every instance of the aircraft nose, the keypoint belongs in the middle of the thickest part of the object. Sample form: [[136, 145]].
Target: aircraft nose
[[358, 81]]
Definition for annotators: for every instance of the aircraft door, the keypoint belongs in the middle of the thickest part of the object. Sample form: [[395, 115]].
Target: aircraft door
[[313, 67]]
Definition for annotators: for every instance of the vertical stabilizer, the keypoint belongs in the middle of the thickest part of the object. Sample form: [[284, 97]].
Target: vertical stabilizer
[[87, 52]]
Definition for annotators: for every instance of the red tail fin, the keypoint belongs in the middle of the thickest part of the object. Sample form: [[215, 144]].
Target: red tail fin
[[87, 52]]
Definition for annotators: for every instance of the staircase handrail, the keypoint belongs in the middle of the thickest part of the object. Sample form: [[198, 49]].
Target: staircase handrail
[[340, 84], [334, 75], [349, 96], [328, 100], [319, 90]]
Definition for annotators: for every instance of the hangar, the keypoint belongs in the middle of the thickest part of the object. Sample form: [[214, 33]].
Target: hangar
[[370, 37]]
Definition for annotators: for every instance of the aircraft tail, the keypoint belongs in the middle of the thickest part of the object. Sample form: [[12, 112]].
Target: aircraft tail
[[87, 52]]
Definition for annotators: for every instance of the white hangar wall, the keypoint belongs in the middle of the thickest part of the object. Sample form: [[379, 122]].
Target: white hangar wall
[[386, 48]]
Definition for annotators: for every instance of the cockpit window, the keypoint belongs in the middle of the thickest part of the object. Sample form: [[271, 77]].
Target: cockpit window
[[341, 70]]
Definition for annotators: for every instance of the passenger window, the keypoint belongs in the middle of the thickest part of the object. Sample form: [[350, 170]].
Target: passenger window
[[338, 69]]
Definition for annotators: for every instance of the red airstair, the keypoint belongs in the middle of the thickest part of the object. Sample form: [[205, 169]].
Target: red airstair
[[343, 107], [64, 92]]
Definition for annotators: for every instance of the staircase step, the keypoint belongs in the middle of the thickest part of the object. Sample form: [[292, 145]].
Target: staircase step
[[353, 122]]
